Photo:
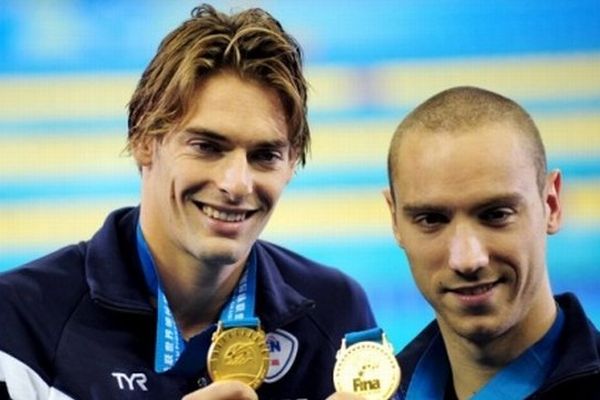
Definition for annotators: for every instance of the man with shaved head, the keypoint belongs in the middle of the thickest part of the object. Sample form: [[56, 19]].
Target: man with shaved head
[[472, 204]]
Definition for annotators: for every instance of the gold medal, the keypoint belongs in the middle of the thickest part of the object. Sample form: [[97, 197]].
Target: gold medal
[[240, 354], [368, 369]]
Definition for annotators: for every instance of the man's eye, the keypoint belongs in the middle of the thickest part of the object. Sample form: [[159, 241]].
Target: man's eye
[[497, 216], [430, 220], [206, 147], [267, 156]]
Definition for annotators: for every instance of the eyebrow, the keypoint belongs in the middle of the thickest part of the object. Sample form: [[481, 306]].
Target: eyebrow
[[210, 134], [510, 199], [206, 133], [414, 209]]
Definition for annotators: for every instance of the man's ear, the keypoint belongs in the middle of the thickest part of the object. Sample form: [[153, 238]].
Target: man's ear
[[143, 152], [392, 207], [552, 201]]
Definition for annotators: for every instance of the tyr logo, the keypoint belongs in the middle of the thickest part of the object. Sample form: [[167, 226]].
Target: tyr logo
[[127, 381]]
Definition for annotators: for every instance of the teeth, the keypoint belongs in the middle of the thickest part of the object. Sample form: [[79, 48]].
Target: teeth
[[222, 215], [476, 290]]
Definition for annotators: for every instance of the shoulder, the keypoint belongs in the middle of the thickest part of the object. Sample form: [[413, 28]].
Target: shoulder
[[61, 275], [48, 275], [578, 367], [340, 303], [36, 301], [35, 297], [309, 276], [577, 320]]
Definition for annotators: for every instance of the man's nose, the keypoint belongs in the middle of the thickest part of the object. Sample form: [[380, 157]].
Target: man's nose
[[468, 252], [235, 178]]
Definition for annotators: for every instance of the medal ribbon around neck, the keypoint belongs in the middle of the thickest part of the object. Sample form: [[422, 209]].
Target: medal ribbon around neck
[[238, 350], [366, 365], [237, 313], [169, 342]]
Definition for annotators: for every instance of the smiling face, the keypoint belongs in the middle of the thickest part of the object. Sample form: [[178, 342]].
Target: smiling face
[[210, 186], [469, 214]]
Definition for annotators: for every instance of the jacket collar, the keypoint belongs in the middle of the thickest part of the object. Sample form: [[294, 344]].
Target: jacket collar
[[113, 269], [277, 303], [114, 275], [579, 344]]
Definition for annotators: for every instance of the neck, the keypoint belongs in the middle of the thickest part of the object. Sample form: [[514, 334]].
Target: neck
[[196, 292], [475, 362]]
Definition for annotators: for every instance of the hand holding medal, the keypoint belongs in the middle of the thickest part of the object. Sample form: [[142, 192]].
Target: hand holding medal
[[367, 367]]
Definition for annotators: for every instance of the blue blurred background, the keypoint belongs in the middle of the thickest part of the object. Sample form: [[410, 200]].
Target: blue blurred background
[[67, 69]]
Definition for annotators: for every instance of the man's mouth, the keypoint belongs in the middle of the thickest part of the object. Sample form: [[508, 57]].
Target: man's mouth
[[223, 215], [475, 290]]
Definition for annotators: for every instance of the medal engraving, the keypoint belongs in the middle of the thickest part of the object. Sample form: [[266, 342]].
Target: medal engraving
[[239, 354], [368, 369]]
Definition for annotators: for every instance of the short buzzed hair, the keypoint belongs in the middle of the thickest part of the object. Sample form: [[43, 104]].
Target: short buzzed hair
[[464, 108]]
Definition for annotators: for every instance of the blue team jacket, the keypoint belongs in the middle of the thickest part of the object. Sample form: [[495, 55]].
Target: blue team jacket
[[78, 324]]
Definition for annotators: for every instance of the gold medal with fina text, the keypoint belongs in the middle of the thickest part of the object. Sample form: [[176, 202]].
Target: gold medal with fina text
[[238, 354], [368, 369]]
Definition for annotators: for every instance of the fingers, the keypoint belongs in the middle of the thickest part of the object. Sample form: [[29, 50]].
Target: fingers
[[223, 390], [345, 396]]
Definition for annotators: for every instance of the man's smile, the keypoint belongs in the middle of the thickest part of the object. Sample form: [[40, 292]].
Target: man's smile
[[223, 214], [475, 289]]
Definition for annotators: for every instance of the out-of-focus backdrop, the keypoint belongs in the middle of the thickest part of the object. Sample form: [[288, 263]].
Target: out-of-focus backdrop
[[67, 69]]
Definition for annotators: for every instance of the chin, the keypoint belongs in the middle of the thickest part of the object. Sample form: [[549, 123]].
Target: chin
[[220, 256], [218, 251], [483, 333], [476, 329], [218, 260], [480, 336]]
